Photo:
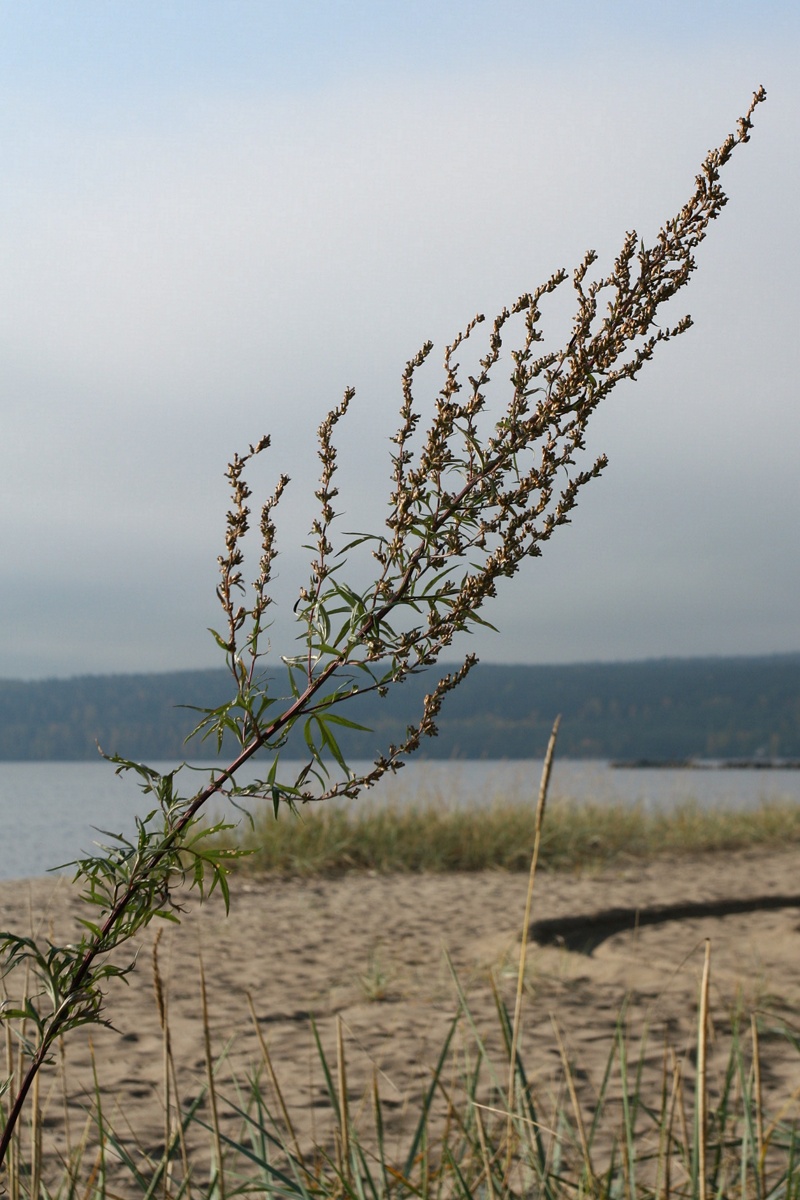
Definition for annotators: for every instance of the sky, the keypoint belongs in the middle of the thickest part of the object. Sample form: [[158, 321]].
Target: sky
[[215, 215]]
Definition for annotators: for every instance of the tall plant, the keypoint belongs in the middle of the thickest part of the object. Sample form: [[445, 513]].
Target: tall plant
[[470, 499]]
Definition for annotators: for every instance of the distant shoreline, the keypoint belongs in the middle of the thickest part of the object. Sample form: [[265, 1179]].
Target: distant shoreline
[[707, 764], [654, 713]]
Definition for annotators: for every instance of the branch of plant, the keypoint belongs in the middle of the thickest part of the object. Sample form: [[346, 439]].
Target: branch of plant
[[503, 506]]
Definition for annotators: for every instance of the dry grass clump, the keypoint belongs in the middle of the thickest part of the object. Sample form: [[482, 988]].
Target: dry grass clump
[[331, 841], [498, 1117]]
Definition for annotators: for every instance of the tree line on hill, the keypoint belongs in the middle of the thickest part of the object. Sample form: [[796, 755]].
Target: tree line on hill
[[658, 709]]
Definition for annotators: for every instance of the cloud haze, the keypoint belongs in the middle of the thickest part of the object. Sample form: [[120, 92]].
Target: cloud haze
[[215, 217]]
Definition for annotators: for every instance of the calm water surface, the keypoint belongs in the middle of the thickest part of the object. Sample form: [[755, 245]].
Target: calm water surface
[[49, 812]]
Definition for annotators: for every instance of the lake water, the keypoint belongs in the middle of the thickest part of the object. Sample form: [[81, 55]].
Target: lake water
[[49, 812]]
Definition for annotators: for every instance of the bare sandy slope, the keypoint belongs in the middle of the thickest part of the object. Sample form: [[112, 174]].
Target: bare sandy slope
[[372, 951]]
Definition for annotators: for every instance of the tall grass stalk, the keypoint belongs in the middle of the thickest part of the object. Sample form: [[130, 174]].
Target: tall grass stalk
[[760, 1144], [217, 1186], [526, 920], [701, 1102]]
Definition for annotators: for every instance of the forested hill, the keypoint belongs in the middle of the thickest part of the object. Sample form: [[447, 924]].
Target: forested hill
[[658, 709]]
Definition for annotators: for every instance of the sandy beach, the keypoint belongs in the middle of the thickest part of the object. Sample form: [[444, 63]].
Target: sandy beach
[[373, 952]]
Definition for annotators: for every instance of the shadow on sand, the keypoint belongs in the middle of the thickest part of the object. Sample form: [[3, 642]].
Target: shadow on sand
[[584, 933]]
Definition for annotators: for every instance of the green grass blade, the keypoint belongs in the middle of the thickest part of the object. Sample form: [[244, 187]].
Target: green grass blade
[[416, 1141], [530, 1111]]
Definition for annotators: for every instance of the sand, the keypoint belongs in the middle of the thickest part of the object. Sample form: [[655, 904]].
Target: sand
[[373, 952]]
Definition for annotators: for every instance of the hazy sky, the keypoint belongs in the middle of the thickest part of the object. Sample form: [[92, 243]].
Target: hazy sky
[[216, 215]]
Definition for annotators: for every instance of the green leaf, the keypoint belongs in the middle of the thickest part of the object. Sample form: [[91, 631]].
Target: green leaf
[[221, 642], [330, 741], [337, 720], [322, 621]]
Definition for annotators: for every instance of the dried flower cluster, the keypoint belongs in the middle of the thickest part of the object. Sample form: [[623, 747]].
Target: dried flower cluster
[[466, 507]]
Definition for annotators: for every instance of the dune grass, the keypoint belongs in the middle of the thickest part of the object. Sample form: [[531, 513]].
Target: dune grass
[[692, 1136], [435, 837]]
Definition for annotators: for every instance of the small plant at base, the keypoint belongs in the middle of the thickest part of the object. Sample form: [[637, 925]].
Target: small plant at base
[[467, 506], [375, 982]]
